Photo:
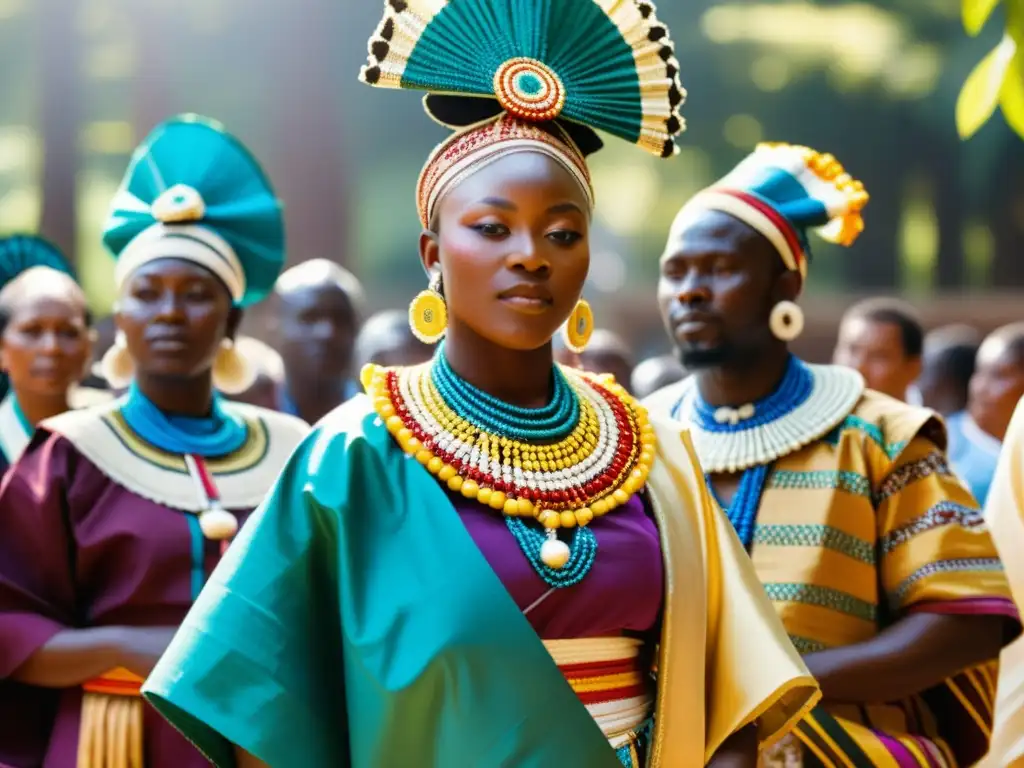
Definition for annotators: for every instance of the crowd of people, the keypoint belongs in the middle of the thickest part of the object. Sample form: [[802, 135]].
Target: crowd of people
[[478, 532]]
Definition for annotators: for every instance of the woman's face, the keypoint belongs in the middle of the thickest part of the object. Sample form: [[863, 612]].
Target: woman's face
[[513, 248], [174, 315], [46, 345]]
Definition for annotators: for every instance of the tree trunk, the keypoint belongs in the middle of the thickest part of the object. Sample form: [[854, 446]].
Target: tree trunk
[[59, 63], [308, 157]]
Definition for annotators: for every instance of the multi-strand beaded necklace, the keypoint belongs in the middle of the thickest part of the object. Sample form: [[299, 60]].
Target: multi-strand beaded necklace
[[579, 457]]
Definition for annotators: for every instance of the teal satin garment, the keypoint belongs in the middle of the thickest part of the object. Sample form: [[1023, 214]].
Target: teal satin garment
[[355, 622]]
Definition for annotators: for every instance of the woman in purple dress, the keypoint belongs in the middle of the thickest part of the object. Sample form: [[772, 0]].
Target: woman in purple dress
[[114, 516]]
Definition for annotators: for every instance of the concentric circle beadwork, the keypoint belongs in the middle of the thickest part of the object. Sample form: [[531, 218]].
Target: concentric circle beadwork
[[595, 465], [529, 90]]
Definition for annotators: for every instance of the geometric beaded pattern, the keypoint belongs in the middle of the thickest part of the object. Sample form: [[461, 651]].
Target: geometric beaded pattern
[[856, 423], [465, 152], [805, 646], [848, 482], [932, 464], [943, 513], [529, 89], [597, 467], [955, 565], [823, 536], [823, 597]]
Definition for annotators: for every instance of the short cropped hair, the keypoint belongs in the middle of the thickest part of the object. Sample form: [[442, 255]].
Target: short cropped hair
[[893, 312]]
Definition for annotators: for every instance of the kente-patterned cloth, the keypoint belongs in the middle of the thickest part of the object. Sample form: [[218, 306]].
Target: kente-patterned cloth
[[856, 530]]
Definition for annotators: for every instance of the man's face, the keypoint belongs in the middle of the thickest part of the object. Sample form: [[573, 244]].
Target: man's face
[[318, 327], [716, 289], [875, 349], [996, 387]]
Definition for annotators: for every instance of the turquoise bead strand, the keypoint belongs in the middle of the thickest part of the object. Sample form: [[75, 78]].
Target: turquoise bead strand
[[550, 423], [583, 551]]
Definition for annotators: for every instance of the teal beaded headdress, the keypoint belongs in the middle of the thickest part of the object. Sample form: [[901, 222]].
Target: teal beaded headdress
[[19, 253], [543, 75], [193, 191]]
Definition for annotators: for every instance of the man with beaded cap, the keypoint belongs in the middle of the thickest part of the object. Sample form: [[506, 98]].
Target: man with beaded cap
[[876, 557], [477, 563]]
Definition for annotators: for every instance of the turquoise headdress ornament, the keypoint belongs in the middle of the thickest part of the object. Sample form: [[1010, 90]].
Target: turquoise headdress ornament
[[783, 190], [540, 76], [19, 253], [193, 191]]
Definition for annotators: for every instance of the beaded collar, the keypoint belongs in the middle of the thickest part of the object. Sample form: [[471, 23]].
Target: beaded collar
[[808, 403], [579, 457]]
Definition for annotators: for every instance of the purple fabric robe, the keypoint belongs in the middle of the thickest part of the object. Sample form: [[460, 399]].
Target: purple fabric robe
[[78, 550], [622, 593]]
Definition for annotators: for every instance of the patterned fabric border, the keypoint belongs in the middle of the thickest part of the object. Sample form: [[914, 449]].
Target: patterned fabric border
[[823, 597], [943, 513], [805, 645], [943, 566], [815, 536], [848, 482], [932, 464], [852, 422]]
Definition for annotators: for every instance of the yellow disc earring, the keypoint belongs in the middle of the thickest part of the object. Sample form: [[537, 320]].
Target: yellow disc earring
[[428, 314], [579, 327]]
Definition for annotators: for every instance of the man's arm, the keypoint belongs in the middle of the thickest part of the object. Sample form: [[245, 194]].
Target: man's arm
[[914, 654]]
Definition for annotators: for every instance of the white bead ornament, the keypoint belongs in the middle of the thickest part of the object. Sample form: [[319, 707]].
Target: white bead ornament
[[218, 524], [554, 552]]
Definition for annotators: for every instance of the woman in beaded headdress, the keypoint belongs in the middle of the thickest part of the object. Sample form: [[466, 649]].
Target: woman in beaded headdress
[[478, 562], [114, 515], [45, 340]]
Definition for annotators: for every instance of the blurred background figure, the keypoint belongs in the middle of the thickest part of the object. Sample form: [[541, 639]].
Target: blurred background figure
[[319, 307], [883, 340], [976, 435], [947, 365], [607, 352], [45, 350], [265, 391], [654, 373], [386, 339]]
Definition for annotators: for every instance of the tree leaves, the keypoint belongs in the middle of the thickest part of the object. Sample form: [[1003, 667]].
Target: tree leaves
[[975, 13], [998, 79], [981, 92]]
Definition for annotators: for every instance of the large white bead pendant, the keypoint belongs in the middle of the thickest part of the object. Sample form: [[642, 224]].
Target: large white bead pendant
[[554, 553], [218, 524]]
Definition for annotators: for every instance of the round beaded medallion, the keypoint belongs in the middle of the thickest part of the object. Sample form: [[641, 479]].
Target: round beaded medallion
[[529, 90], [578, 458]]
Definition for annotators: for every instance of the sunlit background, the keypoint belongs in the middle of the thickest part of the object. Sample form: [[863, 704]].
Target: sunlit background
[[84, 80]]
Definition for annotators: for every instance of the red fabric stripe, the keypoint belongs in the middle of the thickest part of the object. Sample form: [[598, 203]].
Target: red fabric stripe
[[209, 487], [600, 668], [612, 694], [780, 221], [113, 687]]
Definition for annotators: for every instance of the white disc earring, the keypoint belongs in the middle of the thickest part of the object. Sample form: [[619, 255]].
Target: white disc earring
[[786, 321]]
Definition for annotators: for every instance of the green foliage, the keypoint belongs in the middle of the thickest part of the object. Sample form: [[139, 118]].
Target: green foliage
[[998, 79]]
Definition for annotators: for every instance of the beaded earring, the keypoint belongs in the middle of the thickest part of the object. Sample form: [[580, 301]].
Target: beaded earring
[[786, 321], [428, 314], [579, 327]]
